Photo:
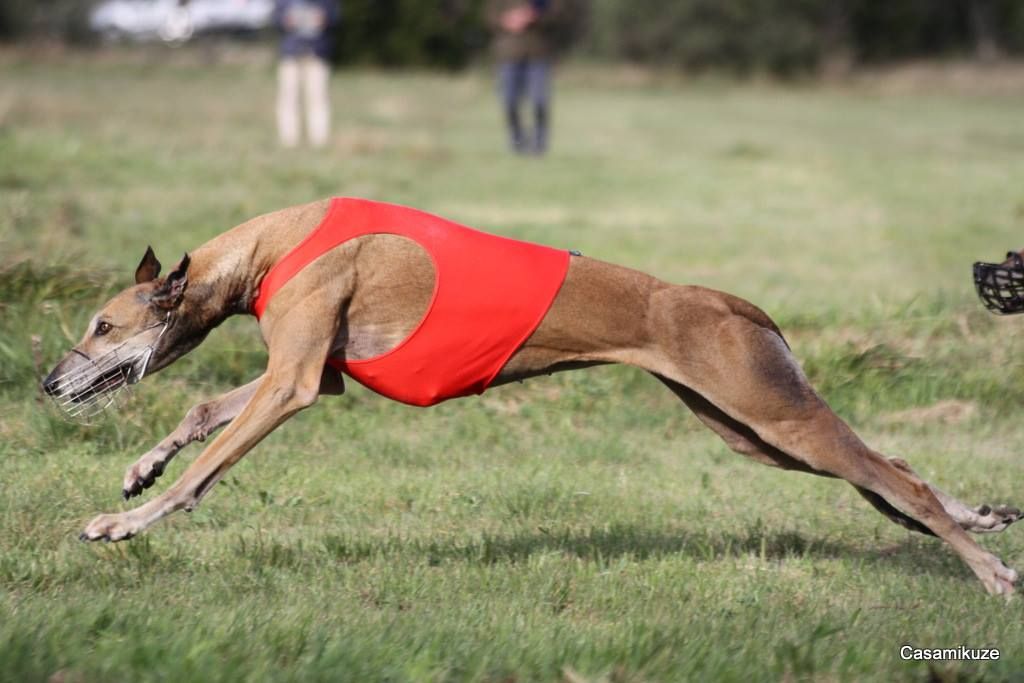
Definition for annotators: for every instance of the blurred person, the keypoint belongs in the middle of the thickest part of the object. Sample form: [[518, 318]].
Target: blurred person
[[177, 28], [304, 70], [525, 47]]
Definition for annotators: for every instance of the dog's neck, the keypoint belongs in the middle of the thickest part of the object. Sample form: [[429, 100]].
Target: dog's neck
[[217, 288], [225, 273], [220, 286]]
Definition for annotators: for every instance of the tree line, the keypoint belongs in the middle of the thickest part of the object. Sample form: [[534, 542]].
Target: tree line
[[784, 37]]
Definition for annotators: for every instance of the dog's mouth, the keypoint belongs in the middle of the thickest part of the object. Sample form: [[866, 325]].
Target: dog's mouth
[[1000, 286], [97, 385], [108, 381]]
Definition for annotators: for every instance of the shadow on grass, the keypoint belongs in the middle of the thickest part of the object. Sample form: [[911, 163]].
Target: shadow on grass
[[265, 552], [601, 545]]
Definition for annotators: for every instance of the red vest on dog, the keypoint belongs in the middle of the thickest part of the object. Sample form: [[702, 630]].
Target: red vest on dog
[[490, 294]]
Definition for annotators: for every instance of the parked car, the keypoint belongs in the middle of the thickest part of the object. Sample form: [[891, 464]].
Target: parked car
[[177, 21]]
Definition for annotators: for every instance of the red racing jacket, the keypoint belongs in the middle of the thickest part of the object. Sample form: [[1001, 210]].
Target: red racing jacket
[[490, 294]]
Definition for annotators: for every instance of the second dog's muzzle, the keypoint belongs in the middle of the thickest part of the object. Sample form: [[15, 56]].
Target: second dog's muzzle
[[1001, 285]]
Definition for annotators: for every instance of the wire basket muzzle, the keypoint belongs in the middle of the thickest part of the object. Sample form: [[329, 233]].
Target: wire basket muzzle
[[100, 384], [1000, 286]]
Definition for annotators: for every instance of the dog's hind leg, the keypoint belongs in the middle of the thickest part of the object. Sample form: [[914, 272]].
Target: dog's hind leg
[[740, 438], [982, 519], [733, 356]]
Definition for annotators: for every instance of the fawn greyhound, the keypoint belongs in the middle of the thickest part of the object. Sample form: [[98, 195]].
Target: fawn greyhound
[[369, 294]]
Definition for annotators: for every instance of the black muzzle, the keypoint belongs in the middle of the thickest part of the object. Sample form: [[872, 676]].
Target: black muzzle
[[1001, 285]]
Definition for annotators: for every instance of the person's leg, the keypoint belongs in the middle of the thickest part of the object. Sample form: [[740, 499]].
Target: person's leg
[[539, 79], [511, 78], [288, 102], [316, 75]]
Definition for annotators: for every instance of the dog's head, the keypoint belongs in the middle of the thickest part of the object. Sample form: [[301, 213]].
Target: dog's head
[[128, 338], [1001, 285]]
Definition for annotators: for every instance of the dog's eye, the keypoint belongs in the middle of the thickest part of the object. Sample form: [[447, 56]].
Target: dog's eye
[[102, 328]]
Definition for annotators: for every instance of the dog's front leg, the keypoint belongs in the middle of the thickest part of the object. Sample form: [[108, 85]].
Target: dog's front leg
[[292, 382], [277, 397], [200, 421]]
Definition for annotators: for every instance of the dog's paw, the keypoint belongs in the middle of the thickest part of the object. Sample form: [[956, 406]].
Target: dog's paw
[[991, 519], [998, 578], [141, 476], [115, 527]]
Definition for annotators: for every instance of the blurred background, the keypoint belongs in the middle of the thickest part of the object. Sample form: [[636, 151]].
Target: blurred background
[[812, 121], [782, 37]]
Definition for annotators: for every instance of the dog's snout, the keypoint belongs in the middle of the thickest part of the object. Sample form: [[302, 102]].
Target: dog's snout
[[51, 385]]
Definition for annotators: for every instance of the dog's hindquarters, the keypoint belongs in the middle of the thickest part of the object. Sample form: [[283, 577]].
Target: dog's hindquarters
[[747, 371], [728, 362]]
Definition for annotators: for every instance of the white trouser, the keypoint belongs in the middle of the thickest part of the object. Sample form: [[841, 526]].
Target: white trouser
[[310, 74]]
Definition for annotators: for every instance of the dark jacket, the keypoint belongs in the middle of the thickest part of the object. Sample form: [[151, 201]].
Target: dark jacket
[[302, 38], [536, 41]]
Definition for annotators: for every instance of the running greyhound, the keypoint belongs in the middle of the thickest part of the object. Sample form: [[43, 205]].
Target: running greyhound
[[421, 310]]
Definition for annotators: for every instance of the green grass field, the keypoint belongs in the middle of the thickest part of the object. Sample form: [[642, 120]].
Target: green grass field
[[582, 527]]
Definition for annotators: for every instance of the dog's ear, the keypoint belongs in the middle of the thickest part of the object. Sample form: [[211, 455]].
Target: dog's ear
[[148, 269], [170, 293]]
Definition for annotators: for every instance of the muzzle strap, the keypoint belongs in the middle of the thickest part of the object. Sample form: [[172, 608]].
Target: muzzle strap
[[1000, 286], [135, 378]]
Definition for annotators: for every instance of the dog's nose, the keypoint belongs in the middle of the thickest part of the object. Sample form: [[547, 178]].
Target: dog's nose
[[51, 386]]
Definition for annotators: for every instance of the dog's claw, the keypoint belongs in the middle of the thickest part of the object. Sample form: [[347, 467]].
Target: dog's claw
[[992, 518], [142, 475], [130, 490], [1008, 511]]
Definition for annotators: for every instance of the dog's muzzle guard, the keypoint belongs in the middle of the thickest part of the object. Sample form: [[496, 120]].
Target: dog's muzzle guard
[[1001, 285], [102, 382]]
